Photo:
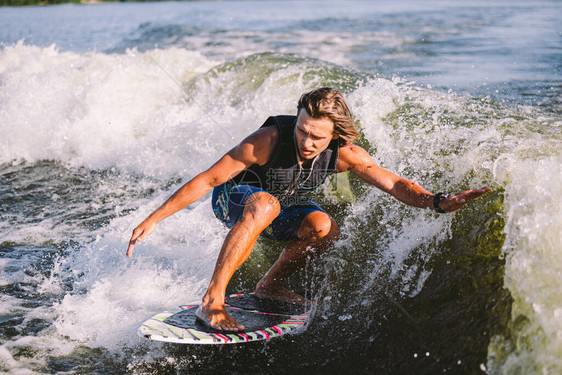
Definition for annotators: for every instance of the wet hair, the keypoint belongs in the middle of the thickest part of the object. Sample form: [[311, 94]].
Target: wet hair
[[328, 102]]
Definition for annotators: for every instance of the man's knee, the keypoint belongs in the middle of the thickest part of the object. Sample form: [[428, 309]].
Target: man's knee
[[319, 225], [261, 208]]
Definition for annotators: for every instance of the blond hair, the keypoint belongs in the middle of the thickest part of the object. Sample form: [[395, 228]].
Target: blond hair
[[328, 102]]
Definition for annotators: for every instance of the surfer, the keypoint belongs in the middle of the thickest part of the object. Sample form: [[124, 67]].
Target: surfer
[[260, 186]]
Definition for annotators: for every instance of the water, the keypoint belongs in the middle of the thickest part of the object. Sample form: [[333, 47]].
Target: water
[[95, 135]]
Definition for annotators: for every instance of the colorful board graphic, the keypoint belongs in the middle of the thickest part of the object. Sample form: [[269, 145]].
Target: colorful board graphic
[[263, 319]]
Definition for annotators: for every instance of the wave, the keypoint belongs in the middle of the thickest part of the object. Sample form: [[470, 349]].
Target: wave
[[101, 139]]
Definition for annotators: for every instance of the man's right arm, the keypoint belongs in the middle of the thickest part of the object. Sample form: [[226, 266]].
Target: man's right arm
[[255, 149]]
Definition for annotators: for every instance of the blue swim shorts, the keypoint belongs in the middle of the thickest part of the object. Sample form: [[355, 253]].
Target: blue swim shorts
[[229, 200]]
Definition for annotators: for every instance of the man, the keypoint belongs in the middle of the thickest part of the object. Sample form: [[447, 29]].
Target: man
[[260, 187]]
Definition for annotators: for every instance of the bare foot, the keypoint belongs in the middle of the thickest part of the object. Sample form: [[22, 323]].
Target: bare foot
[[217, 318], [281, 294]]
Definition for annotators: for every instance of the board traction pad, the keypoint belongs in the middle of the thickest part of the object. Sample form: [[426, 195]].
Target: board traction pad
[[263, 319]]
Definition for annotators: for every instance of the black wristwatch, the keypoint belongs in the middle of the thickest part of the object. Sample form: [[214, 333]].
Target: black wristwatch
[[437, 198]]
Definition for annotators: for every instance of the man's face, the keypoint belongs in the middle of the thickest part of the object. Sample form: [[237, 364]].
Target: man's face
[[313, 135]]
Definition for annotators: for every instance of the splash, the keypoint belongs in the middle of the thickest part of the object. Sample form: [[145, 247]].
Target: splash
[[97, 141], [533, 343]]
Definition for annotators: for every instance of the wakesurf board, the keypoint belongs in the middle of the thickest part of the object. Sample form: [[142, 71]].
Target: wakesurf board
[[264, 319]]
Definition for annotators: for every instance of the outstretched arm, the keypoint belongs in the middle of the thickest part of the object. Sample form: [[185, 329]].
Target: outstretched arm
[[358, 161], [254, 149], [186, 195]]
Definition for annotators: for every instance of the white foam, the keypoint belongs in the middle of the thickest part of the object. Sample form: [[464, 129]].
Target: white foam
[[533, 260], [92, 109], [115, 294]]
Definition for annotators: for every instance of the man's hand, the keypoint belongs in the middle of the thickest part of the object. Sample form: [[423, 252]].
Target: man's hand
[[456, 201], [140, 233]]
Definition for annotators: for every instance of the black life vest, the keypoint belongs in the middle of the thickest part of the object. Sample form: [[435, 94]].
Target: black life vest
[[283, 176]]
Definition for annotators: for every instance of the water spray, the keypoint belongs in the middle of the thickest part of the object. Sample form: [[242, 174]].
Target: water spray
[[191, 97]]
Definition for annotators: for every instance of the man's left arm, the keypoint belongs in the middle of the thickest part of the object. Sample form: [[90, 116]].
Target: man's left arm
[[356, 160]]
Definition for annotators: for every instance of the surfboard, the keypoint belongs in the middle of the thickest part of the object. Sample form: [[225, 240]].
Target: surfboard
[[264, 319]]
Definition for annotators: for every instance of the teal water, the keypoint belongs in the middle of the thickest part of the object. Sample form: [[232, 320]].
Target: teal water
[[95, 135]]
